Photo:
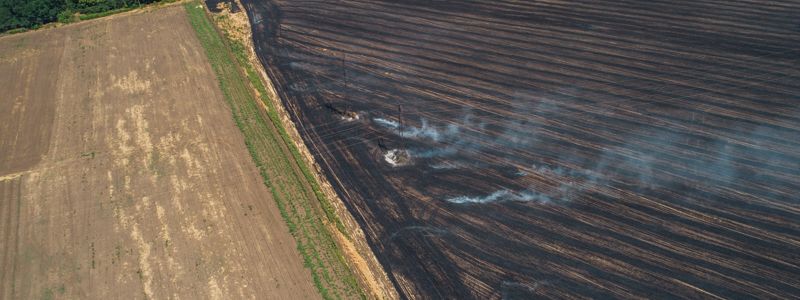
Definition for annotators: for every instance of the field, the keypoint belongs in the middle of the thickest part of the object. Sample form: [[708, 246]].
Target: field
[[506, 149], [124, 175]]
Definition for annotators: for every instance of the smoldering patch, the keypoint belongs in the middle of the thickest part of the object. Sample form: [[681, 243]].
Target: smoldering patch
[[344, 114], [397, 157]]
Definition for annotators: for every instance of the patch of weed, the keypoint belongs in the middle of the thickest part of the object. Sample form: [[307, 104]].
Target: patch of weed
[[305, 210]]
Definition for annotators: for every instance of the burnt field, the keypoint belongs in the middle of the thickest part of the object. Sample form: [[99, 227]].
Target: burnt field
[[510, 149]]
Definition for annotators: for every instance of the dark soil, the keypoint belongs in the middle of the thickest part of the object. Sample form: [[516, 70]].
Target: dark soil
[[592, 149]]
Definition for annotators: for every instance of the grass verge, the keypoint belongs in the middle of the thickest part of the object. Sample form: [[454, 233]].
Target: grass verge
[[17, 30], [299, 197], [84, 17]]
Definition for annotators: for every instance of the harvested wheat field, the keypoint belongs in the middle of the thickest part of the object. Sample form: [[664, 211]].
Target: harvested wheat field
[[123, 175]]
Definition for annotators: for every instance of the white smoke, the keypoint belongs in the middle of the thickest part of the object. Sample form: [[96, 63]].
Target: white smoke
[[425, 131], [436, 152], [397, 157], [447, 165], [503, 195], [387, 123], [546, 170]]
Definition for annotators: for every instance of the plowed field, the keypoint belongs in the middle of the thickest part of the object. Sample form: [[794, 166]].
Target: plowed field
[[123, 175], [502, 149]]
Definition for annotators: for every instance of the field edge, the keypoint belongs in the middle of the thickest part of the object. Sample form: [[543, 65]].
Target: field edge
[[337, 241]]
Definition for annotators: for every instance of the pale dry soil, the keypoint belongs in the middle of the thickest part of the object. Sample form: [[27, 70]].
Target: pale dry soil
[[122, 174], [361, 259]]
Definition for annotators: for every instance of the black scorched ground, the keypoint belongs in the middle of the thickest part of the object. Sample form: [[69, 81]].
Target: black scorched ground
[[503, 149]]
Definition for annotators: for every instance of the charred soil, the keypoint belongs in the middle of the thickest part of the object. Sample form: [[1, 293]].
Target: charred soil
[[591, 149]]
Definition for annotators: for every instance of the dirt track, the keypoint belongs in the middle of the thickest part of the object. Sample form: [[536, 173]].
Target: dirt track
[[584, 149], [123, 174]]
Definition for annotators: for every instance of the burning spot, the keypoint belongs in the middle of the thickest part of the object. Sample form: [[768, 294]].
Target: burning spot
[[350, 116], [397, 157], [344, 114]]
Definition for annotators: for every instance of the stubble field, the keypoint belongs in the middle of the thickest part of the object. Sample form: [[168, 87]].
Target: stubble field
[[503, 149], [122, 174]]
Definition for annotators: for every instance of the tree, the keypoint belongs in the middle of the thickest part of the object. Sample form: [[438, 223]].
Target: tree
[[28, 13], [31, 13]]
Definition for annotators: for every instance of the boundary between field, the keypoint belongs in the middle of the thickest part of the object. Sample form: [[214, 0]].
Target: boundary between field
[[311, 218], [351, 240]]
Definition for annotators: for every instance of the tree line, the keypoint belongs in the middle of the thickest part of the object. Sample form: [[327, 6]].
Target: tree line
[[33, 13]]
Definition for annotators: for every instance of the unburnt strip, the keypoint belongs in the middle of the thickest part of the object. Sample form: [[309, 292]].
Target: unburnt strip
[[297, 196]]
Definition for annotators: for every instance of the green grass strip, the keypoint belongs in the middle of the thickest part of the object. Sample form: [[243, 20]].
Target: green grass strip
[[279, 169], [85, 17], [17, 30], [239, 51]]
